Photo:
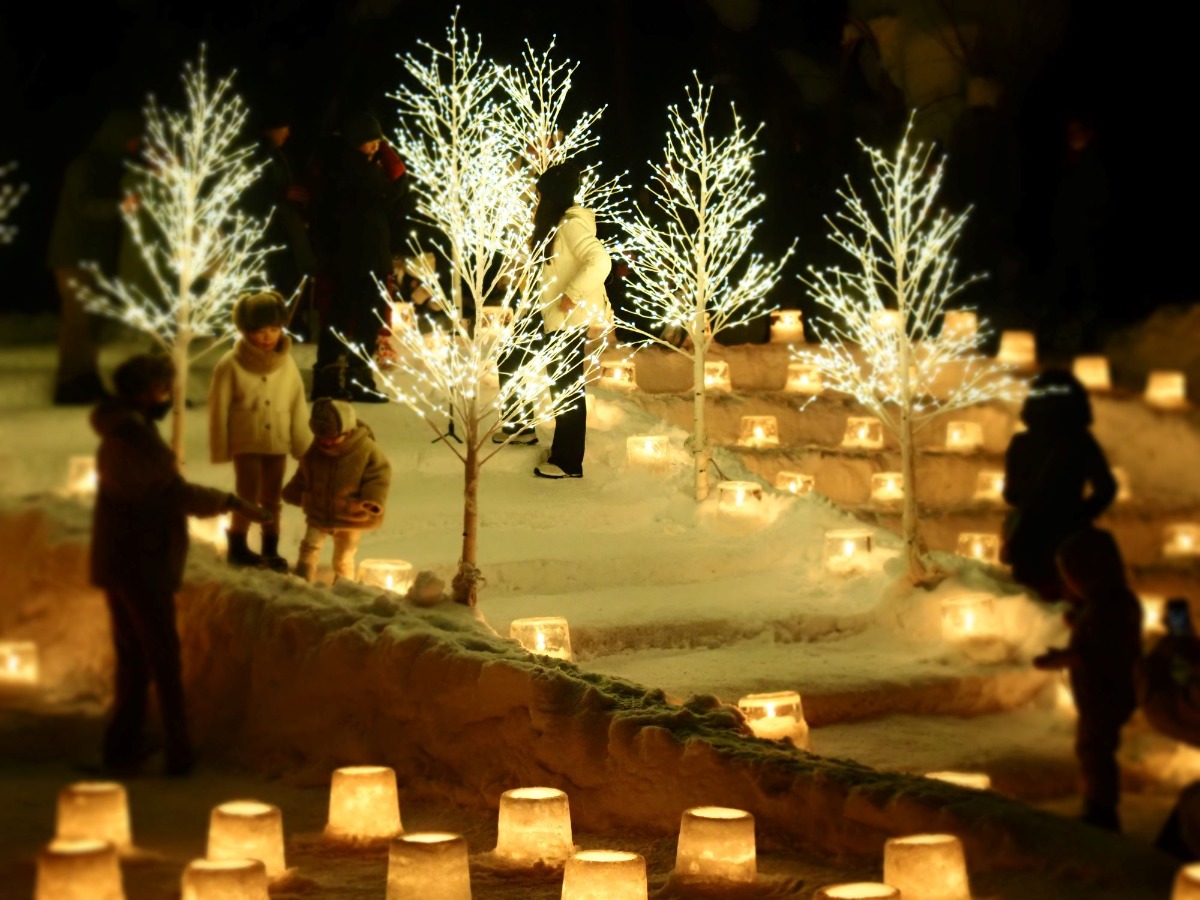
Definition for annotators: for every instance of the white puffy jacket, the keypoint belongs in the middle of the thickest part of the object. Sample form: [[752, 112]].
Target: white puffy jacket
[[578, 266], [254, 412]]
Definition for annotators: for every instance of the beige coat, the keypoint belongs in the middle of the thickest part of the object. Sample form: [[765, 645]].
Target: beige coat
[[340, 486], [578, 266], [257, 406]]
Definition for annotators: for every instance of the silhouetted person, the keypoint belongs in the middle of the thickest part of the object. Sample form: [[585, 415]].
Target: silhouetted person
[[1056, 477]]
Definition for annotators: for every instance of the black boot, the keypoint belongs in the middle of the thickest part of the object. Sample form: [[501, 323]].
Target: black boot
[[239, 553], [270, 554]]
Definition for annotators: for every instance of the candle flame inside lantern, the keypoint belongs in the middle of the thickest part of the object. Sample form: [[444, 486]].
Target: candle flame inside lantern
[[543, 635], [794, 482]]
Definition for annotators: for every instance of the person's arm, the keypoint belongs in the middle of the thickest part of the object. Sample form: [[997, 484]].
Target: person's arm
[[594, 261], [376, 482], [293, 491], [1100, 477], [220, 399], [302, 436], [1016, 473]]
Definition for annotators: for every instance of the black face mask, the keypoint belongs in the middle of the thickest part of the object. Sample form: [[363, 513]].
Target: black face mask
[[159, 411]]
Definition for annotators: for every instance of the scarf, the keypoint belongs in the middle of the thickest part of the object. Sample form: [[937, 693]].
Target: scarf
[[262, 362]]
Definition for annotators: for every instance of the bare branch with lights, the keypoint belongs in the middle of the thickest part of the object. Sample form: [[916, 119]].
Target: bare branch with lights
[[10, 196]]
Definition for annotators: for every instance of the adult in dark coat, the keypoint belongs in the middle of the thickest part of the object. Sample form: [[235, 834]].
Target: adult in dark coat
[[139, 548], [1055, 477]]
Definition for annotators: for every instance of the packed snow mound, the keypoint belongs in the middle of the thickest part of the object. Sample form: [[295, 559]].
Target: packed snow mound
[[1169, 339]]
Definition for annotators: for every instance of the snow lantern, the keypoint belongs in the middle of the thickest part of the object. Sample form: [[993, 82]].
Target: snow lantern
[[94, 810], [716, 844], [863, 432], [926, 866], [18, 663], [543, 635], [847, 550], [970, 617], [804, 378], [980, 546], [605, 875], [960, 324], [1187, 883], [494, 319], [1181, 540], [1166, 390], [887, 486], [247, 829], [428, 865], [739, 497], [716, 376], [213, 530], [534, 826], [225, 879], [858, 890], [401, 315], [964, 437], [1092, 372], [885, 320], [1154, 607], [79, 870], [617, 374], [989, 486], [795, 482], [1017, 348], [787, 326], [759, 431], [390, 574], [82, 479], [647, 451], [1124, 488], [777, 716], [976, 781], [363, 803]]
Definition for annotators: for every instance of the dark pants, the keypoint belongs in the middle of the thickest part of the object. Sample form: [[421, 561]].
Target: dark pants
[[147, 647], [570, 425], [517, 415], [352, 312], [1103, 710]]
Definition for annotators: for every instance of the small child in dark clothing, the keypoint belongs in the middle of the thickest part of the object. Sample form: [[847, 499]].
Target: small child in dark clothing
[[1105, 645]]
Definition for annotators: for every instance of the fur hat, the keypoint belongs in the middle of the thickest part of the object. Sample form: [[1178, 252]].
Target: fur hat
[[331, 417], [265, 309], [142, 373]]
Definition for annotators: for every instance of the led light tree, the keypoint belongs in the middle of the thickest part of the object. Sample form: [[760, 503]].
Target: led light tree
[[695, 273], [10, 196], [882, 345], [200, 250]]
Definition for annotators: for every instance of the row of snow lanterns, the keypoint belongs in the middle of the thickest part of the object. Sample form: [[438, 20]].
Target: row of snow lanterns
[[1165, 389]]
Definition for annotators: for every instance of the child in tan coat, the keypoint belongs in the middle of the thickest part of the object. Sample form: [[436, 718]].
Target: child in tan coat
[[341, 484]]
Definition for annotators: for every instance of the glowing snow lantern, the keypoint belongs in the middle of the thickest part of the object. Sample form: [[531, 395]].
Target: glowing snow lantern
[[213, 530], [401, 315], [980, 546], [647, 451], [1154, 606], [18, 663], [79, 870], [82, 479], [777, 716], [885, 320], [617, 374], [543, 635], [887, 486], [804, 378], [1181, 540], [1166, 390], [1124, 488], [759, 431], [94, 810], [716, 844], [863, 432], [966, 618], [927, 866], [739, 497], [960, 324], [787, 327], [1187, 883], [225, 879], [1017, 348], [858, 890], [964, 437], [247, 829], [1092, 372], [363, 803], [847, 550], [494, 319], [428, 865], [605, 875], [975, 781], [989, 486], [795, 482], [716, 376], [534, 825], [390, 574]]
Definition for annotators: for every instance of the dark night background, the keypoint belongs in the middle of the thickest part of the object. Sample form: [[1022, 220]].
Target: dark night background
[[784, 62]]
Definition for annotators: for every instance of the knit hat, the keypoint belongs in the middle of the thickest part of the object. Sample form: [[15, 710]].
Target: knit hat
[[142, 373], [331, 418], [361, 128], [265, 309]]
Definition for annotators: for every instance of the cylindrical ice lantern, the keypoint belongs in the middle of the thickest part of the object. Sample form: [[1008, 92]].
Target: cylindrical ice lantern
[[964, 437], [739, 497], [79, 870], [647, 451], [1092, 372], [980, 546], [787, 326], [1154, 607], [534, 825], [389, 574], [976, 781], [847, 550], [605, 875], [716, 844], [543, 635], [804, 378], [960, 324], [1167, 390], [617, 374], [795, 482], [94, 810], [81, 476], [863, 432], [1017, 348], [247, 829], [926, 867], [759, 431], [776, 716], [989, 486], [964, 618], [887, 487], [1181, 540], [1124, 488], [1187, 883], [363, 803], [858, 890], [716, 376], [18, 663], [225, 879], [428, 865]]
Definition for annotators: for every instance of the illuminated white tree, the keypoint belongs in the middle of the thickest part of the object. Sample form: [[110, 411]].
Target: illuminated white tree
[[693, 269], [10, 196], [884, 344], [199, 249]]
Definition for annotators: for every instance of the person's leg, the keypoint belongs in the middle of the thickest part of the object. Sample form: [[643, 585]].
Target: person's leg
[[516, 415], [247, 476], [155, 615], [270, 489], [1097, 736], [570, 425], [310, 552], [127, 719], [77, 377], [345, 548]]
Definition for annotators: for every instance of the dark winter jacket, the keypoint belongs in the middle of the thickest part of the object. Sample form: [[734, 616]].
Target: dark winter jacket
[[287, 228], [139, 528], [369, 218], [332, 484]]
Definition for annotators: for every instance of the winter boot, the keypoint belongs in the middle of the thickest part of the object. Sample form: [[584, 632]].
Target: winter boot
[[239, 553], [270, 554], [306, 565]]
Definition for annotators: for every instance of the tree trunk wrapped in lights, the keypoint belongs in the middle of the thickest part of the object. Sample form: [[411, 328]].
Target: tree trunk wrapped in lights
[[883, 343], [694, 272], [10, 196], [199, 249]]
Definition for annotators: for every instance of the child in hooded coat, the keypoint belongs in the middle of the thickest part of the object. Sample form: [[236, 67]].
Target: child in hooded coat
[[341, 484], [1101, 656]]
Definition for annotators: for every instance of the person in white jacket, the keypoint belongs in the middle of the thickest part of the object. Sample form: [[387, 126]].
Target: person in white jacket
[[572, 299], [257, 414]]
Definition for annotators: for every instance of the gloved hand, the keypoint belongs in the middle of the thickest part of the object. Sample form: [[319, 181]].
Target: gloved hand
[[364, 511], [251, 511]]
